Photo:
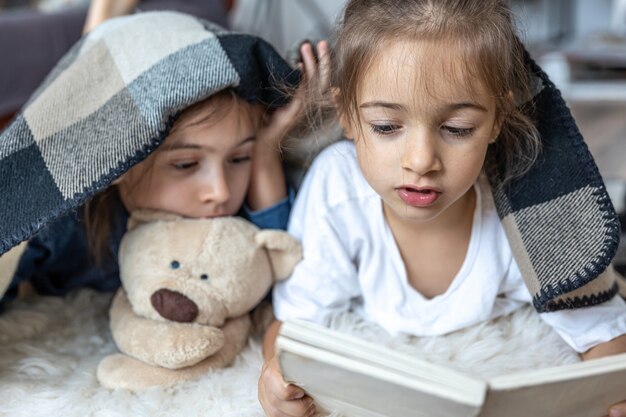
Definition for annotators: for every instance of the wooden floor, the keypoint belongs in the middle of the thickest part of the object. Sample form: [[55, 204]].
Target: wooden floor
[[603, 126]]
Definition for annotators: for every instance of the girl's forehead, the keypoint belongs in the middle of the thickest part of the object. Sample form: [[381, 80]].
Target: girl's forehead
[[224, 129], [214, 109], [425, 69]]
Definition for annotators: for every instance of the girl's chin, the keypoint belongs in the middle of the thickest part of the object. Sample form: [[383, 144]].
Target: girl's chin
[[411, 214]]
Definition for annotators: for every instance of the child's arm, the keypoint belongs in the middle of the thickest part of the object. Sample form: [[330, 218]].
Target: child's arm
[[277, 397], [268, 186], [101, 10], [612, 347]]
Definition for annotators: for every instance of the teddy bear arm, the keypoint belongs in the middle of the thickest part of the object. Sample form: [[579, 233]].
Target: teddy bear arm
[[167, 344], [236, 332]]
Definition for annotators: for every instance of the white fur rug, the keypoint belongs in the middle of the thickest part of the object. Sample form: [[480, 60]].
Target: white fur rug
[[50, 348]]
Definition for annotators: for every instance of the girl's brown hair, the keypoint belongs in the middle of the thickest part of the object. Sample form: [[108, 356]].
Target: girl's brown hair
[[481, 32], [100, 214]]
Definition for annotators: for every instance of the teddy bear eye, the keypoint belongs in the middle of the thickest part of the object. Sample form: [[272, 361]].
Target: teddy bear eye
[[204, 277], [175, 265]]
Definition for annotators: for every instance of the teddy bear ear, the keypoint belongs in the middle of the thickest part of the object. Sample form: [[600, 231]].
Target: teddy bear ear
[[284, 251], [142, 216]]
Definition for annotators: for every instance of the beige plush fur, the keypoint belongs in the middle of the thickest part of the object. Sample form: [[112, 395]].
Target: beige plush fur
[[188, 288]]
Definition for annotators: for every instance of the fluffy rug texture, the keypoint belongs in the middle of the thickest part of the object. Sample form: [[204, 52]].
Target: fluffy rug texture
[[50, 348]]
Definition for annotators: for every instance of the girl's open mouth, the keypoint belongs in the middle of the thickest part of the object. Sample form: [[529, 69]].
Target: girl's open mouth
[[418, 197]]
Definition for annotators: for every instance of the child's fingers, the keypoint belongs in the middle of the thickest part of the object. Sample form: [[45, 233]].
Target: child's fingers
[[316, 63], [273, 382], [280, 389], [303, 407], [323, 55], [274, 407], [280, 399], [618, 410], [309, 60]]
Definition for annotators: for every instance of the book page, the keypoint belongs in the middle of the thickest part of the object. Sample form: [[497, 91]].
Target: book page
[[432, 375], [354, 377], [584, 389]]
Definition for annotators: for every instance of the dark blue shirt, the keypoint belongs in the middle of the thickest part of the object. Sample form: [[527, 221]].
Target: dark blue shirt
[[57, 260]]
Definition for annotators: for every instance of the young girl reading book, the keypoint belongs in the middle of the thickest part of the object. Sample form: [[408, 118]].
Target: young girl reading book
[[463, 192], [97, 125]]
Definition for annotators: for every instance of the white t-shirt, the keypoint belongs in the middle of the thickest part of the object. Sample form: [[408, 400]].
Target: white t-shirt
[[351, 261]]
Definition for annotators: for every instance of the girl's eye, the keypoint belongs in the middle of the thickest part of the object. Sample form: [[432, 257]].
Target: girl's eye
[[458, 131], [240, 159], [385, 129], [184, 165]]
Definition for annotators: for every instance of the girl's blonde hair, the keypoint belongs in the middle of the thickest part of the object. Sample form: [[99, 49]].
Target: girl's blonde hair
[[100, 214], [482, 32]]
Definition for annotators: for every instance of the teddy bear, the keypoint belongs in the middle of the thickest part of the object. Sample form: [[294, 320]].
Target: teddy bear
[[188, 286]]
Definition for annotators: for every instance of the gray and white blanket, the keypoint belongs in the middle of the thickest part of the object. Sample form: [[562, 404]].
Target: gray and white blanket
[[112, 100]]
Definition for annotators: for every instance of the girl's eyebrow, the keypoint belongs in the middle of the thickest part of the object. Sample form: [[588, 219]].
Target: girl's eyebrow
[[187, 145], [384, 104], [400, 107], [465, 105]]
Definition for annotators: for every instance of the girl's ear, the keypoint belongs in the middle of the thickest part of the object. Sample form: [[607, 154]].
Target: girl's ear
[[495, 132], [497, 126], [344, 119]]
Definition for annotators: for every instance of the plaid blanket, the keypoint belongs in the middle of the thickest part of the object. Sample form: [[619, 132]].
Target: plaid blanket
[[112, 100], [559, 219]]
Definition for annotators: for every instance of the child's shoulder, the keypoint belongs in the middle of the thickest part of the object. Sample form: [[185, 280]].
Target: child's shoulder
[[338, 158], [336, 165], [335, 174]]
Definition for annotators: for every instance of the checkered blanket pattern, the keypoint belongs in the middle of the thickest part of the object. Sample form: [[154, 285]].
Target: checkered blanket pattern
[[111, 101], [113, 98], [559, 220]]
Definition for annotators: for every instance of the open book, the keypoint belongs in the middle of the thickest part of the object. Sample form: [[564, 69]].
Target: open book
[[361, 379]]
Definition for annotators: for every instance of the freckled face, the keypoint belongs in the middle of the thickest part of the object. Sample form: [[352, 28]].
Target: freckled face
[[202, 170], [422, 136]]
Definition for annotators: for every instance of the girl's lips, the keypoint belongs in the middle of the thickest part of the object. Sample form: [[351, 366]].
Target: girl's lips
[[418, 197]]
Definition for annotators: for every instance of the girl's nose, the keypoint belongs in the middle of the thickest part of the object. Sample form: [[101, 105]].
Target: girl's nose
[[214, 187], [420, 154]]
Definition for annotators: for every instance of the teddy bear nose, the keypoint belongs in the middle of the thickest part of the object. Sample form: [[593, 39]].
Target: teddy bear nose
[[174, 306]]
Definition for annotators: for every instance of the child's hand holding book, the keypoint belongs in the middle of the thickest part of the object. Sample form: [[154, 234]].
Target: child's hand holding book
[[280, 398], [277, 397]]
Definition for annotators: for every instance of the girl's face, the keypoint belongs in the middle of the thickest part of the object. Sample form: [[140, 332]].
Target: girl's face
[[422, 135], [202, 169]]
